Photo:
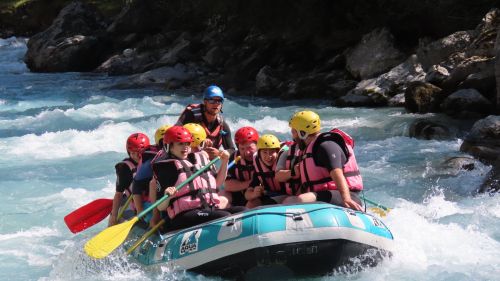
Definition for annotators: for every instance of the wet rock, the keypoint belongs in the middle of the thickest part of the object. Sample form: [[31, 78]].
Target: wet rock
[[216, 56], [180, 52], [129, 62], [165, 77], [267, 81], [436, 75], [459, 163], [71, 43], [391, 83], [421, 97], [483, 81], [429, 130], [467, 103], [355, 100], [341, 88], [492, 182], [312, 86], [465, 69], [433, 53], [375, 54], [483, 140], [140, 17], [397, 100]]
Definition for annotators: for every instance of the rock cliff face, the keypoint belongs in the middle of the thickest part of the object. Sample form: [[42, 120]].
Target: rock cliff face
[[302, 49]]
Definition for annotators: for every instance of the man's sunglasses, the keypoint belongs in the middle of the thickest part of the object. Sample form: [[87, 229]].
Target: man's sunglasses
[[214, 101]]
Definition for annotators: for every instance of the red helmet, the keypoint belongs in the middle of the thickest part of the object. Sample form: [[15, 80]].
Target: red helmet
[[137, 142], [177, 134], [246, 134]]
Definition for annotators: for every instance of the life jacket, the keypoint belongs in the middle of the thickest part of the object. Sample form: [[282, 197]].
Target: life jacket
[[243, 169], [292, 185], [216, 135], [149, 153], [266, 176], [133, 168], [201, 192], [316, 178]]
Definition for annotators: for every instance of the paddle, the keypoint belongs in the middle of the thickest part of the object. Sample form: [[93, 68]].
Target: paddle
[[145, 236], [124, 207], [158, 225], [379, 209], [109, 239], [88, 215], [91, 214]]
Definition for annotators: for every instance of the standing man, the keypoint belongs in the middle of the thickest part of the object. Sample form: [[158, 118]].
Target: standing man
[[208, 115], [328, 168]]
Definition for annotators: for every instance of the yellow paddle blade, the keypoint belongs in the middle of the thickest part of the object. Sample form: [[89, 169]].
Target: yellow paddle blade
[[379, 211], [109, 239]]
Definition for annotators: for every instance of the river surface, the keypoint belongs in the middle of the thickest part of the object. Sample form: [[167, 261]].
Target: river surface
[[61, 134]]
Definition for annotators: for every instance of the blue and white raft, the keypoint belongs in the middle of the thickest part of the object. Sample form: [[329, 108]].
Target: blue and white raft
[[303, 239]]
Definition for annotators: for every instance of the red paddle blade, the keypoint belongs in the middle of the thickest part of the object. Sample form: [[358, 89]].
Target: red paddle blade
[[88, 215]]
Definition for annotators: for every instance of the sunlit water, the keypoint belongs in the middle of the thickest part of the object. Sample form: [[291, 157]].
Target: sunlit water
[[61, 134]]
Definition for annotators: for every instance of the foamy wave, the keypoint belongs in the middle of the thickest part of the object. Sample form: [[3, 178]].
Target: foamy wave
[[35, 232], [423, 245]]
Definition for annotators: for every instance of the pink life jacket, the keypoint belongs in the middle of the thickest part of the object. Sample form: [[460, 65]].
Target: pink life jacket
[[266, 175], [293, 157], [316, 178], [243, 169], [201, 192]]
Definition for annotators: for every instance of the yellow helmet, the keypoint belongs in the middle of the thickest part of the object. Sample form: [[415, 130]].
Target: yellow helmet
[[305, 123], [198, 133], [268, 141], [160, 132]]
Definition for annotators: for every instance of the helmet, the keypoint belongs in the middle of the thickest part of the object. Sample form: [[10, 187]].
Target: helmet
[[268, 141], [160, 132], [213, 92], [137, 142], [177, 134], [246, 134], [305, 123], [198, 133]]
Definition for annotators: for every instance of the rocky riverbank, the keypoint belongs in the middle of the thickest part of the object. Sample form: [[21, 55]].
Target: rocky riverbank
[[428, 56]]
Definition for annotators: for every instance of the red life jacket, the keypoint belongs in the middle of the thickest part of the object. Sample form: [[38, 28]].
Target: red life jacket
[[216, 135], [266, 176], [243, 169], [199, 193], [293, 157], [316, 178]]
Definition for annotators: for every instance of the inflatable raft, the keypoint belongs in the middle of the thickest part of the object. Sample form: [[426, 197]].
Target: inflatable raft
[[303, 239]]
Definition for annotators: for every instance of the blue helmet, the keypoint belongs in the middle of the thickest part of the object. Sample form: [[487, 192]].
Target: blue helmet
[[213, 92]]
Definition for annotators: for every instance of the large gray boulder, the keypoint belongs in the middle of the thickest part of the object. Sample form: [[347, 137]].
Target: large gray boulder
[[433, 53], [170, 77], [374, 55], [467, 103], [72, 43], [391, 83], [483, 141]]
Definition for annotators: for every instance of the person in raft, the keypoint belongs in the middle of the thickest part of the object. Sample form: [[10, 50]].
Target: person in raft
[[125, 172], [143, 179], [264, 188], [328, 168], [240, 175], [209, 116], [197, 201]]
